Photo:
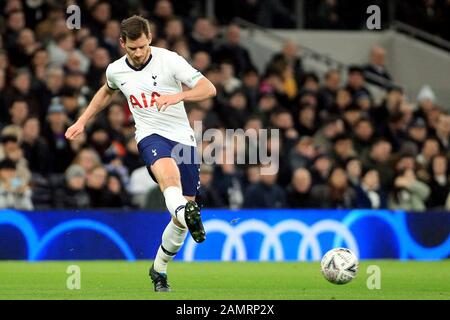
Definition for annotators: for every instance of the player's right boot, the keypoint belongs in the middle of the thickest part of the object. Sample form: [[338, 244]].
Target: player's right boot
[[194, 221], [159, 280]]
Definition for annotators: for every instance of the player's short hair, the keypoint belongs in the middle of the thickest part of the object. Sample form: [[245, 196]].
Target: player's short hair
[[133, 27]]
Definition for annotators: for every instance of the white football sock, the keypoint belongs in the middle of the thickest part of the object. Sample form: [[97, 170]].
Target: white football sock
[[172, 240], [175, 203]]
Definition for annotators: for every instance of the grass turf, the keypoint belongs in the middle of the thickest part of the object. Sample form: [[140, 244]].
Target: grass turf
[[221, 281]]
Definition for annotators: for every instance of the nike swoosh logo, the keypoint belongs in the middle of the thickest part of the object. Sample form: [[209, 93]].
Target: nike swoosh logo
[[123, 83]]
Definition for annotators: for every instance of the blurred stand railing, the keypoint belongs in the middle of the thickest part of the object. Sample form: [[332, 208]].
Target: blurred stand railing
[[420, 35]]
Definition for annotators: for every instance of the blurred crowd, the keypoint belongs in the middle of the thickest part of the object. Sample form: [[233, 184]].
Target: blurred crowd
[[338, 147]]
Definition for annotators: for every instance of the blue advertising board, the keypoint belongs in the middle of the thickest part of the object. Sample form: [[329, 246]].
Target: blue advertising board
[[241, 235]]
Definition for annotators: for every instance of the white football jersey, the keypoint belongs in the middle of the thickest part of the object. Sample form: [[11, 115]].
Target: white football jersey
[[163, 74]]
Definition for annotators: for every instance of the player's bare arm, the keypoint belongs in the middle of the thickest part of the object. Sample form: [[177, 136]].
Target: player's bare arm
[[101, 99], [204, 89]]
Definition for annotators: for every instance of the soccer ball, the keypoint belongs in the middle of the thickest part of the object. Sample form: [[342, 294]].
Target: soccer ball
[[339, 266]]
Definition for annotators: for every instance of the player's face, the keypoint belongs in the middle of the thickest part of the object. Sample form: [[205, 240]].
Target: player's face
[[137, 50]]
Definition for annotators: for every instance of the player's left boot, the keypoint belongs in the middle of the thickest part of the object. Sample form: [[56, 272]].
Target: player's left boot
[[159, 280], [194, 221]]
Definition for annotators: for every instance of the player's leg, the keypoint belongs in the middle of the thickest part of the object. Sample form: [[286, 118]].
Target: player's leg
[[173, 239], [179, 185], [178, 182], [168, 176]]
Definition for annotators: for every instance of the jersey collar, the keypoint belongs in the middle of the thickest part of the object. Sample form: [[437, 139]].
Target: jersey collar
[[141, 67]]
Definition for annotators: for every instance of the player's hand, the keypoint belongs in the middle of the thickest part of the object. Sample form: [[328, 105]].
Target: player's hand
[[165, 101], [74, 131]]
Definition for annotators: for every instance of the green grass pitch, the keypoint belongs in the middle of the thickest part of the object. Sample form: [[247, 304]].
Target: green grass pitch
[[221, 281]]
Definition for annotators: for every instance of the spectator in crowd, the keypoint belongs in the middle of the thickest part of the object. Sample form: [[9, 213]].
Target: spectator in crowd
[[201, 60], [232, 50], [357, 83], [443, 132], [343, 149], [282, 119], [328, 92], [117, 195], [321, 169], [162, 13], [265, 194], [39, 64], [337, 193], [363, 136], [99, 15], [97, 68], [379, 158], [330, 129], [288, 57], [22, 51], [60, 150], [250, 86], [4, 114], [307, 121], [35, 148], [236, 112], [342, 102], [354, 170], [132, 160], [88, 46], [426, 100], [174, 30], [440, 182], [351, 116], [21, 89], [140, 188], [14, 24], [154, 200], [116, 122], [60, 49], [299, 192], [96, 187], [417, 134], [209, 196], [14, 192], [369, 194], [303, 153], [69, 99], [429, 149], [73, 194], [19, 112], [377, 66], [54, 82], [10, 150], [110, 39], [230, 83], [202, 36], [229, 183], [409, 193]]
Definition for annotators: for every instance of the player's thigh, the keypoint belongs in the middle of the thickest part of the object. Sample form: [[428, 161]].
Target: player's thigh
[[166, 173]]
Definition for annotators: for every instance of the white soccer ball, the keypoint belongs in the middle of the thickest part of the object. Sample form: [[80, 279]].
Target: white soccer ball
[[339, 266]]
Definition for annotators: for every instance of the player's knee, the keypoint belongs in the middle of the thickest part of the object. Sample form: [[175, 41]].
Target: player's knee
[[170, 181]]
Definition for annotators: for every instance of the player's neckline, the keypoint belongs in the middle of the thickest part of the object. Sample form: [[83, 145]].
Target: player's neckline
[[141, 67]]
